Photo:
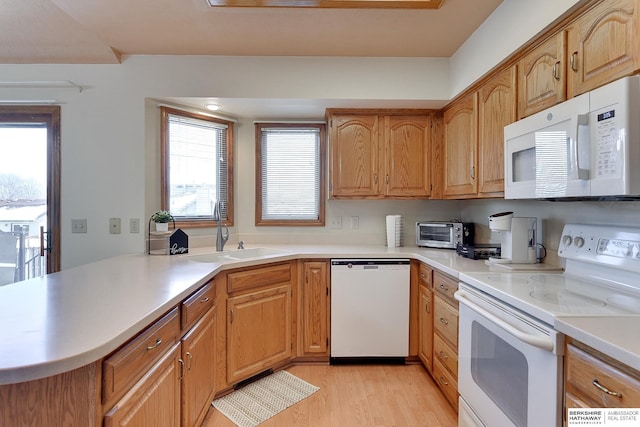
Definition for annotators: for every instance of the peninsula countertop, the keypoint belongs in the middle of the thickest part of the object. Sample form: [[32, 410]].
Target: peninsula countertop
[[74, 317]]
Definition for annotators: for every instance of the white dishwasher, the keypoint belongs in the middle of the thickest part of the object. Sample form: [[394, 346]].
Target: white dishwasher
[[369, 308]]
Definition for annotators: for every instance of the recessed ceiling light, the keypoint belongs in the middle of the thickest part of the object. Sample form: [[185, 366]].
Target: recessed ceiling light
[[213, 107]]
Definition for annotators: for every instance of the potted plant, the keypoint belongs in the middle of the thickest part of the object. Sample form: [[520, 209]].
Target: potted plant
[[161, 219]]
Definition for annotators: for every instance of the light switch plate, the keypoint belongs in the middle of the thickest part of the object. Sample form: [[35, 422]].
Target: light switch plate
[[134, 225], [78, 225]]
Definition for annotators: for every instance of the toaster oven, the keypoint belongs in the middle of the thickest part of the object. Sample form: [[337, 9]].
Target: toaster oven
[[444, 234]]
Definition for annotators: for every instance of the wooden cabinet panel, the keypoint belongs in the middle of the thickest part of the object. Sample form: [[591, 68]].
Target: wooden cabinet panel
[[445, 320], [603, 45], [542, 76], [355, 155], [445, 354], [315, 309], [425, 327], [196, 305], [496, 109], [256, 277], [460, 141], [407, 154], [258, 331], [154, 400], [589, 376], [446, 285], [447, 383], [198, 382], [121, 370]]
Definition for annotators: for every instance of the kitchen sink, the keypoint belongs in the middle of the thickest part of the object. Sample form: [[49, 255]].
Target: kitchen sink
[[238, 255]]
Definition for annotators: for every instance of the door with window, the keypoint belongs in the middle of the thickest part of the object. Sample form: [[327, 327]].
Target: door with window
[[29, 192]]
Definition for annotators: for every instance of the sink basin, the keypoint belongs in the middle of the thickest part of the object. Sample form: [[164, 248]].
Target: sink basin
[[237, 255]]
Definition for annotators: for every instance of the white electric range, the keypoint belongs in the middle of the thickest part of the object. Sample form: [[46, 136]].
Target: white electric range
[[510, 356]]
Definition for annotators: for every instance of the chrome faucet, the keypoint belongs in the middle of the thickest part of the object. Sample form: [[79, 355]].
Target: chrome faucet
[[220, 238]]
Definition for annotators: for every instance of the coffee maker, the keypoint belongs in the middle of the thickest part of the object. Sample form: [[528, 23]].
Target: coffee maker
[[518, 238]]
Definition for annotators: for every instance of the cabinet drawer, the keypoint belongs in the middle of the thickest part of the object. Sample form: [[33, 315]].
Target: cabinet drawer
[[425, 273], [264, 276], [446, 382], [445, 321], [447, 356], [194, 307], [446, 285], [122, 369], [585, 372]]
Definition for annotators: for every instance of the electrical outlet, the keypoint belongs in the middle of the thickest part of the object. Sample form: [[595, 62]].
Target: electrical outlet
[[78, 225], [114, 225], [335, 222], [355, 222], [134, 225]]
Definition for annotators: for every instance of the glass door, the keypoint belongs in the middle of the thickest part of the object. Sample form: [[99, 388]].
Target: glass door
[[29, 192]]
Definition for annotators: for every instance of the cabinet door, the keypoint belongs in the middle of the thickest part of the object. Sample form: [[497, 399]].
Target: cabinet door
[[425, 327], [460, 145], [603, 45], [496, 109], [355, 156], [154, 400], [542, 76], [315, 307], [198, 384], [258, 331], [407, 156]]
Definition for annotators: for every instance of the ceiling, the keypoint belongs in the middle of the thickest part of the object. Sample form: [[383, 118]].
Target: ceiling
[[92, 31], [105, 32]]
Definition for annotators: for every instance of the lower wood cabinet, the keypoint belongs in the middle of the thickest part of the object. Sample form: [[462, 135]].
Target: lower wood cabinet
[[314, 309], [425, 317], [198, 378], [259, 321], [594, 380], [154, 400]]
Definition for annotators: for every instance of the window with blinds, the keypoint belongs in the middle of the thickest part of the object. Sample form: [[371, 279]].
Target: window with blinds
[[196, 158], [290, 168]]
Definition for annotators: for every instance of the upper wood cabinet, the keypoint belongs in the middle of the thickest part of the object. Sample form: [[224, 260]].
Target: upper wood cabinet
[[603, 45], [379, 153], [542, 76], [496, 109], [460, 140]]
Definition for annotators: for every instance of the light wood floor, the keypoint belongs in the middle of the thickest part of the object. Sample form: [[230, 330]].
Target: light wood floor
[[363, 395]]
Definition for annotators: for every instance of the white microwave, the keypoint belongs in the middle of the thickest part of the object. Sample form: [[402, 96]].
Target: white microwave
[[588, 146]]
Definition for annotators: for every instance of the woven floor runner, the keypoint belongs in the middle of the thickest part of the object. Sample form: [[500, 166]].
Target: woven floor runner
[[261, 400]]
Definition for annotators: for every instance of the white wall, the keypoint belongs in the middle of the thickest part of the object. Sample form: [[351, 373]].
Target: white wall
[[110, 138]]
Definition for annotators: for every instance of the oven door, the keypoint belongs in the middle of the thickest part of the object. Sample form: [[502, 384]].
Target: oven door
[[509, 365]]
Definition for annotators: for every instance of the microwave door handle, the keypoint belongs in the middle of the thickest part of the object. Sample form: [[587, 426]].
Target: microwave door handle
[[581, 141]]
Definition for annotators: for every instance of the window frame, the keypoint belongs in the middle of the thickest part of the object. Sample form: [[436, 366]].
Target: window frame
[[259, 221], [165, 159]]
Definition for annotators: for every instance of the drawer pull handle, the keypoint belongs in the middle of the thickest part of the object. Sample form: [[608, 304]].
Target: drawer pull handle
[[443, 320], [443, 381], [443, 287], [426, 306], [181, 369], [204, 300], [190, 356], [443, 355], [158, 342], [606, 390]]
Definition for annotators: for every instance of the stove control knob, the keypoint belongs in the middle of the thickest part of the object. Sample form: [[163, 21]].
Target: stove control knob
[[566, 240], [578, 241]]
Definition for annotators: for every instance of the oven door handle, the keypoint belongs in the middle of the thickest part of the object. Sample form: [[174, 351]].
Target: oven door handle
[[536, 341]]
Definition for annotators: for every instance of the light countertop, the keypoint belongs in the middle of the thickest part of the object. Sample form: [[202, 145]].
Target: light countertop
[[66, 320], [617, 337]]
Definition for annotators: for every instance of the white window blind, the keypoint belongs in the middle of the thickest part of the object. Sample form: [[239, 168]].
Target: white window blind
[[290, 173], [197, 167]]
